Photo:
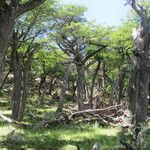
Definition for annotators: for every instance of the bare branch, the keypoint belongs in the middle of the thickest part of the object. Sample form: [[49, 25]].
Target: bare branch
[[138, 9], [114, 107], [97, 44], [25, 33], [63, 49]]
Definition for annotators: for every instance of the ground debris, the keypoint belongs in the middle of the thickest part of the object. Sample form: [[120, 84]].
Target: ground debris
[[112, 115]]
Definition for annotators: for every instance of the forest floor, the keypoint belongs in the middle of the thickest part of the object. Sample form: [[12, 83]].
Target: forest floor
[[59, 137]]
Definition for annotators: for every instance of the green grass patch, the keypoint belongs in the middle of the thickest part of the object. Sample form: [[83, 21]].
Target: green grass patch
[[59, 138], [55, 138]]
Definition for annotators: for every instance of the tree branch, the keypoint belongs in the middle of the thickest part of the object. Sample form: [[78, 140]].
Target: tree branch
[[24, 34], [28, 6], [135, 8], [94, 52]]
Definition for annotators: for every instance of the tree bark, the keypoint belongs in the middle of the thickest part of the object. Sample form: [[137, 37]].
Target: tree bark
[[74, 87], [6, 23], [117, 89], [25, 80], [42, 81], [4, 80], [8, 15], [121, 86], [93, 83], [140, 76], [63, 91], [87, 91], [52, 79], [16, 95], [141, 62], [80, 86]]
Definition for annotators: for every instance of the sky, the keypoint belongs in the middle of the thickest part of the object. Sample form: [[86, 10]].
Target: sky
[[109, 12]]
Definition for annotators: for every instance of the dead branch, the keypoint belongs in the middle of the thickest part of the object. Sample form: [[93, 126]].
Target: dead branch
[[94, 110], [105, 116], [9, 120], [13, 122]]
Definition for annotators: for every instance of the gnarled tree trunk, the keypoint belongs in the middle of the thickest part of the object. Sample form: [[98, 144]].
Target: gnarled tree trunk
[[140, 76], [141, 65], [9, 12]]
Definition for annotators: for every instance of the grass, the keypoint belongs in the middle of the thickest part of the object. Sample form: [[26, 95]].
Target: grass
[[59, 138], [62, 137]]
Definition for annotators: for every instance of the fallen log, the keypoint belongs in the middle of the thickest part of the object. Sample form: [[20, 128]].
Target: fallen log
[[95, 110], [13, 122], [89, 115], [9, 120]]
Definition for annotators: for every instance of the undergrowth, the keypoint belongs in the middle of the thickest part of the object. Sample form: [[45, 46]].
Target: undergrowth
[[61, 137]]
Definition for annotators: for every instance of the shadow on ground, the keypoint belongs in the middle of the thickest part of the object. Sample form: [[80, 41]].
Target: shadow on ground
[[59, 139]]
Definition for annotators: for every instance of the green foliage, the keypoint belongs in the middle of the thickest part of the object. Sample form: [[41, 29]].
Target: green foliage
[[46, 62], [69, 13], [47, 26]]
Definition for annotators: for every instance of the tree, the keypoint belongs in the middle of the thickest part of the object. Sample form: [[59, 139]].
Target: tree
[[47, 65], [21, 66], [121, 45], [9, 12], [80, 41], [140, 73], [24, 45], [63, 89]]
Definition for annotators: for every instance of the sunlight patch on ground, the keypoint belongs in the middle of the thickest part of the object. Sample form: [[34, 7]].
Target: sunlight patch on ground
[[68, 147], [6, 130], [87, 134], [52, 109], [5, 112], [107, 131]]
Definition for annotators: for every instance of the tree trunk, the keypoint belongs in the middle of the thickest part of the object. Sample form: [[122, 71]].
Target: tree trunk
[[9, 11], [42, 81], [117, 89], [93, 83], [24, 95], [73, 92], [6, 28], [52, 79], [121, 86], [87, 92], [16, 95], [2, 55], [101, 87], [63, 91], [80, 86], [4, 80], [140, 76], [25, 89]]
